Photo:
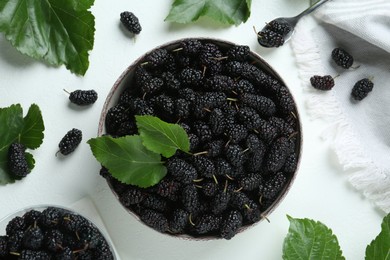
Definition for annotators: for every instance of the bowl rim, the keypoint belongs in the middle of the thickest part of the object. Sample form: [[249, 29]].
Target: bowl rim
[[263, 64]]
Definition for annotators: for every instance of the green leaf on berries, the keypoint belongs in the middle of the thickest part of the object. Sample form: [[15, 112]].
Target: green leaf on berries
[[162, 137], [128, 160], [55, 31], [15, 128], [379, 248], [223, 11], [309, 239]]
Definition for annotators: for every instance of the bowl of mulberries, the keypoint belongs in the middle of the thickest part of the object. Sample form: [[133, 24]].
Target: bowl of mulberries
[[243, 131], [52, 232]]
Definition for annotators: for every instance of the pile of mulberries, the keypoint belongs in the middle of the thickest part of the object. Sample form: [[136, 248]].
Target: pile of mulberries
[[274, 33], [244, 138], [53, 233]]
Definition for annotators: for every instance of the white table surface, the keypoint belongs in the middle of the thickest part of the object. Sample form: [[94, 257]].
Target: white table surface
[[321, 190]]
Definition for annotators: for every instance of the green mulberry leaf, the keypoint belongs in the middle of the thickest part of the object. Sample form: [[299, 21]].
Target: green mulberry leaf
[[15, 128], [162, 137], [223, 11], [128, 160], [379, 248], [309, 239], [59, 32]]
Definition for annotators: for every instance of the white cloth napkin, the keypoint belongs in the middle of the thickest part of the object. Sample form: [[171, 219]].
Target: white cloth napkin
[[359, 132]]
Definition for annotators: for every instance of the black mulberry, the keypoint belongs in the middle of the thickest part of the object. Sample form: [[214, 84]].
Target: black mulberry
[[207, 223], [263, 105], [179, 221], [269, 38], [322, 82], [17, 161], [155, 220], [230, 224], [83, 97], [342, 58], [131, 22], [181, 170], [361, 89], [238, 52], [277, 154], [70, 141]]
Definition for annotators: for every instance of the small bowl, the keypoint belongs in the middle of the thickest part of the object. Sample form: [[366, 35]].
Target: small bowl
[[20, 213], [125, 80]]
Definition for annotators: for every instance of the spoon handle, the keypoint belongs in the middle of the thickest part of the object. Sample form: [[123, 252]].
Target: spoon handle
[[312, 7]]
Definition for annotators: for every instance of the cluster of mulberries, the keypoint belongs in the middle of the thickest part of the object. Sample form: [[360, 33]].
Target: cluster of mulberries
[[242, 129], [344, 60], [53, 233], [274, 33]]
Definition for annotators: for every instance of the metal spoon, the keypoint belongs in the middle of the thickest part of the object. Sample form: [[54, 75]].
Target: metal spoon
[[280, 30]]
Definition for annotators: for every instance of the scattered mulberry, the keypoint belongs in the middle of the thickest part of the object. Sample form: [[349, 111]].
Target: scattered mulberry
[[263, 105], [342, 58], [70, 141], [277, 154], [17, 161], [361, 89], [230, 224], [83, 97], [181, 170], [269, 38], [131, 22], [155, 220], [238, 53], [322, 82]]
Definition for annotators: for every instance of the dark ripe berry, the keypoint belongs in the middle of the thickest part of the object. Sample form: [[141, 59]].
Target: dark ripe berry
[[322, 82], [73, 222], [168, 188], [164, 105], [131, 22], [239, 200], [115, 116], [238, 52], [209, 58], [155, 220], [217, 121], [191, 47], [220, 202], [65, 254], [53, 240], [33, 238], [236, 132], [127, 128], [157, 58], [142, 107], [90, 236], [251, 212], [219, 83], [190, 198], [15, 241], [70, 141], [254, 143], [151, 85], [277, 154], [251, 181], [342, 58], [83, 97], [203, 131], [284, 128], [3, 246], [27, 254], [31, 216], [15, 224], [291, 163], [155, 202], [271, 188], [17, 161], [285, 100], [244, 86], [280, 27], [50, 217], [171, 82], [361, 89], [230, 224], [179, 221], [222, 167], [204, 166], [182, 108], [209, 188], [132, 195], [213, 99], [207, 223], [215, 148], [255, 160], [235, 155], [234, 68], [188, 94], [263, 105], [141, 75], [181, 170], [267, 132], [269, 38], [194, 141], [191, 77], [249, 117]]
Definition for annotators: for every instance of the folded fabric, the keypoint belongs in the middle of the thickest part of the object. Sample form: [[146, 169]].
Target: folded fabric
[[359, 131]]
